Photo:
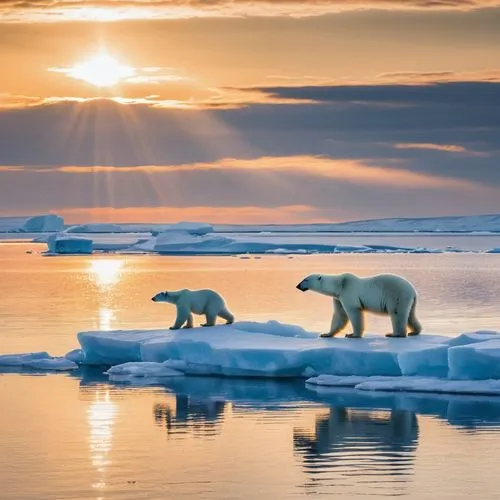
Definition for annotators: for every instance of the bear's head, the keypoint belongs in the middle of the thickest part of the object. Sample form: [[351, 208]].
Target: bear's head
[[162, 297], [322, 283], [312, 282]]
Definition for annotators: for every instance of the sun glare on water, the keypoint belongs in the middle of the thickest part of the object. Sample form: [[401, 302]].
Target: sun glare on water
[[102, 70]]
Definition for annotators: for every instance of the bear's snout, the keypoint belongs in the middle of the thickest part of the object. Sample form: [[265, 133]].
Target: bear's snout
[[153, 298], [302, 287]]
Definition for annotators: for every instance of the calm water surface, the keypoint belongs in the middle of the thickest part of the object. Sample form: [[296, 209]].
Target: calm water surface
[[78, 437]]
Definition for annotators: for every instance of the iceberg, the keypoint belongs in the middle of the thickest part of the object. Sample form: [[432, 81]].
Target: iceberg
[[37, 361], [35, 224], [59, 244]]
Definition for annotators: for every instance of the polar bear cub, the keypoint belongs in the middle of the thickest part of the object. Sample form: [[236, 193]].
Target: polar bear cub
[[189, 302], [352, 295]]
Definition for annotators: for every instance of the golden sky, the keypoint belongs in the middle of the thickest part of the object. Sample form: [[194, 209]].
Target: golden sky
[[249, 111]]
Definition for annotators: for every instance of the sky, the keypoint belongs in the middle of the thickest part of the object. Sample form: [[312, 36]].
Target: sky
[[239, 111]]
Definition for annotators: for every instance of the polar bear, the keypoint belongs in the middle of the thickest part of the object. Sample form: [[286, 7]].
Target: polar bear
[[189, 302], [352, 295]]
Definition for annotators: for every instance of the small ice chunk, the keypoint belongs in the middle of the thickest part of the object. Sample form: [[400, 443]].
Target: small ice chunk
[[76, 355], [433, 385], [38, 361], [143, 369], [22, 359]]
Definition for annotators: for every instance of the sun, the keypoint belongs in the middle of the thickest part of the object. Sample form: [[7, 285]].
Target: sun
[[102, 70]]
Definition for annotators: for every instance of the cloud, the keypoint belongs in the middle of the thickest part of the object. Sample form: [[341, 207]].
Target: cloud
[[218, 215], [109, 10], [92, 71], [356, 125], [457, 93], [343, 170], [222, 190], [446, 148]]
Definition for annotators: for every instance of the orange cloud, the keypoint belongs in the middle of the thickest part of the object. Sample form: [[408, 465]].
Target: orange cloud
[[218, 215], [353, 171], [111, 10]]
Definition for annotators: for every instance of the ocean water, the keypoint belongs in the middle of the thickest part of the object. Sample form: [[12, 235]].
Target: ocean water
[[75, 436]]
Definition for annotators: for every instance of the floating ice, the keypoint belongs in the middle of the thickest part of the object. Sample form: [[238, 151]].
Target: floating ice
[[176, 242], [37, 361], [43, 223], [195, 228], [143, 369], [409, 384], [274, 349], [58, 244], [35, 224], [476, 361], [76, 355], [253, 349]]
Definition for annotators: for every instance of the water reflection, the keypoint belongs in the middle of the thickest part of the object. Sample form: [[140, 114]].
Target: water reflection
[[106, 316], [106, 272], [101, 415], [376, 447], [187, 415]]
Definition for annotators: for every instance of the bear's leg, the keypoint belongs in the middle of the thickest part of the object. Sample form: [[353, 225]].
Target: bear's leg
[[211, 317], [227, 315], [182, 316], [413, 323], [399, 320], [339, 319], [355, 316], [189, 323]]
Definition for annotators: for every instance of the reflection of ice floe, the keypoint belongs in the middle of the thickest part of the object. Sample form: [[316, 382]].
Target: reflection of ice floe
[[199, 417], [353, 445]]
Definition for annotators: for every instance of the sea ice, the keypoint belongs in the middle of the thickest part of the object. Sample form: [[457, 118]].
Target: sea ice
[[177, 242], [274, 349], [58, 244], [409, 384], [34, 224], [37, 361], [43, 223], [143, 369], [253, 349]]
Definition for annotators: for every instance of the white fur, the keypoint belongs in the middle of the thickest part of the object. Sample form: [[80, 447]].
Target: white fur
[[352, 295], [189, 302]]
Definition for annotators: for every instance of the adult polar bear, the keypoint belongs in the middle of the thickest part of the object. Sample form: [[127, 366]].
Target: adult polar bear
[[189, 302], [352, 295]]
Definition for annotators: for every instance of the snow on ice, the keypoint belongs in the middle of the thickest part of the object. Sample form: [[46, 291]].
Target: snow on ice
[[425, 363], [466, 364]]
